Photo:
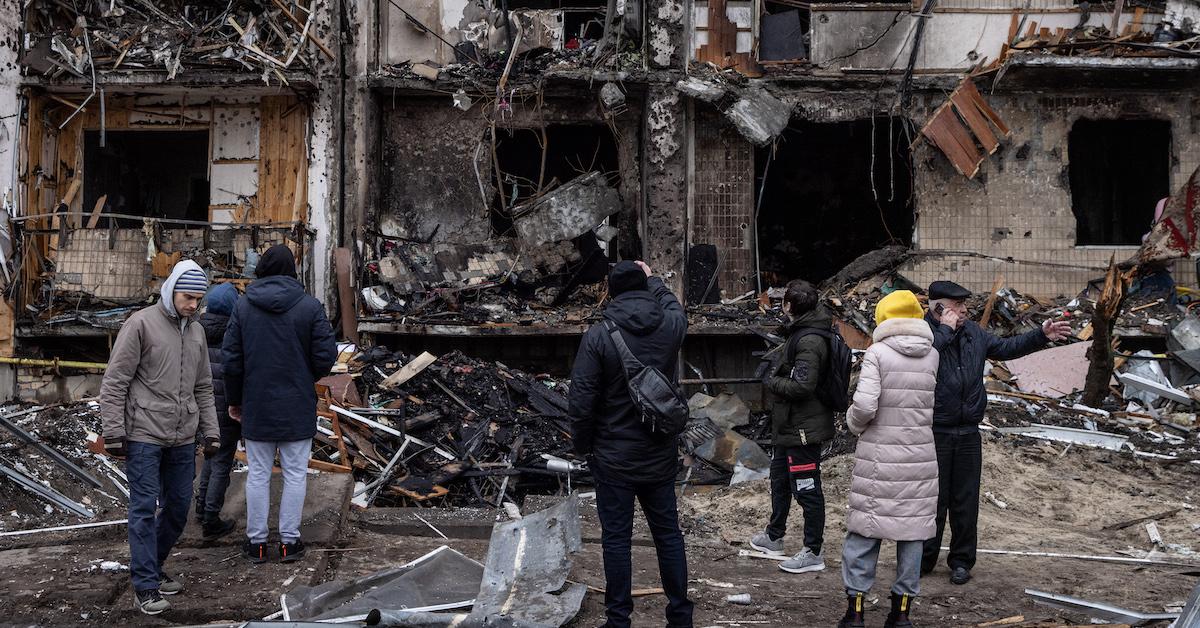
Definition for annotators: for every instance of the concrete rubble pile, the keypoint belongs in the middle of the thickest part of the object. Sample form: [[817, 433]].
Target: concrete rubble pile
[[175, 36]]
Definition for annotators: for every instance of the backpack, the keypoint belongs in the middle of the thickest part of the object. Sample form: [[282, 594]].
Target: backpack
[[662, 406], [834, 388]]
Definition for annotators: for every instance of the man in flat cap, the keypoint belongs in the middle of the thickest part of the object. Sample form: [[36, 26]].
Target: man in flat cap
[[959, 402]]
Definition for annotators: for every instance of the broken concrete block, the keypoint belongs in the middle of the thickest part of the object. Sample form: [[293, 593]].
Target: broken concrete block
[[731, 450], [606, 233], [759, 116], [701, 90], [567, 212], [424, 71], [611, 95], [725, 410]]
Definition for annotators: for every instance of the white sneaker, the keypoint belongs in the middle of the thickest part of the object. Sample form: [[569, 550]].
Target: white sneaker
[[803, 562]]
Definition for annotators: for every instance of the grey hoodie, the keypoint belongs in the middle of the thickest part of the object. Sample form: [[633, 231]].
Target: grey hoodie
[[157, 388]]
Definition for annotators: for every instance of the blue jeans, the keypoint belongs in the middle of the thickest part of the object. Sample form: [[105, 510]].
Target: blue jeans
[[614, 504], [157, 475]]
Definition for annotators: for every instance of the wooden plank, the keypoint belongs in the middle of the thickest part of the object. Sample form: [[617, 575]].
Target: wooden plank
[[343, 259], [94, 219], [961, 135], [1013, 24], [938, 132], [968, 87], [283, 160], [986, 318], [975, 121]]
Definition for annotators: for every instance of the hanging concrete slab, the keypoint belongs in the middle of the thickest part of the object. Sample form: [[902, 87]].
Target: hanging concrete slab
[[566, 212]]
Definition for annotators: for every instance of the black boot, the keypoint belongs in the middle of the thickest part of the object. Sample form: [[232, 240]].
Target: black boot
[[854, 612], [898, 617]]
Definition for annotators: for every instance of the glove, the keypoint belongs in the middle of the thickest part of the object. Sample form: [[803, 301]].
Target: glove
[[115, 447], [210, 447]]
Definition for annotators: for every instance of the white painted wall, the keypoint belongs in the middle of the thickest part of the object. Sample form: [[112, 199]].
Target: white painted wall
[[10, 110]]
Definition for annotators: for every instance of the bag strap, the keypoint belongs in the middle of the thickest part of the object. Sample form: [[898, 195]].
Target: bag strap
[[630, 363]]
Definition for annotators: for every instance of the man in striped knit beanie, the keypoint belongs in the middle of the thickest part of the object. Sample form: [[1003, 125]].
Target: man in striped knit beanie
[[156, 396]]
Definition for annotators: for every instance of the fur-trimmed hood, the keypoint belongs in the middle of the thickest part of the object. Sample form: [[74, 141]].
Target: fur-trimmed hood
[[909, 336]]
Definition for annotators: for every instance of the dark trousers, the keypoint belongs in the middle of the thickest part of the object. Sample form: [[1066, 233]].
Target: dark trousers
[[796, 474], [214, 475], [960, 463], [614, 503], [157, 475]]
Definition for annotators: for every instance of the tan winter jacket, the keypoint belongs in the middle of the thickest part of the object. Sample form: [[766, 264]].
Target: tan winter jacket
[[157, 388], [894, 488]]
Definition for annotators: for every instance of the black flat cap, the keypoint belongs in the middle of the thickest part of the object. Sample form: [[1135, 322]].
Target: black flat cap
[[947, 290]]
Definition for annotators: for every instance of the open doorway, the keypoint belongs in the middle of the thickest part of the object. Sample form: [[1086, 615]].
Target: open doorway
[[833, 191], [161, 174], [1119, 169]]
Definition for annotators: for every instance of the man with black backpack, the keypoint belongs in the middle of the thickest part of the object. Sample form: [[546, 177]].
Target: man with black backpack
[[809, 383], [625, 418]]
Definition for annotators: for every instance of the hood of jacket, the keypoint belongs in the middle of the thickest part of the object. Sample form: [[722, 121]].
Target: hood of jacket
[[908, 336], [275, 294], [167, 291], [636, 311], [817, 318]]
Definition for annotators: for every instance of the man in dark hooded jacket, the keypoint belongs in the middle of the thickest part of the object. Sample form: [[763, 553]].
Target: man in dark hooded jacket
[[279, 343], [214, 476], [627, 460]]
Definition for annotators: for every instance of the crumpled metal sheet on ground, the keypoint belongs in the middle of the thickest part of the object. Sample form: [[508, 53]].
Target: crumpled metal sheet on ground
[[522, 585], [442, 578]]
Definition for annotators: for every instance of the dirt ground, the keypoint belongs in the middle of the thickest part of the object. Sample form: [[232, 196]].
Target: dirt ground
[[1055, 501]]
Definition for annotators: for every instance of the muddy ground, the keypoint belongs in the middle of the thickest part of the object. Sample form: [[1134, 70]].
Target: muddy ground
[[1055, 501]]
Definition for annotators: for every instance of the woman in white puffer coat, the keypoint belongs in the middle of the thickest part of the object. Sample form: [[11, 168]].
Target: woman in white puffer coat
[[894, 488]]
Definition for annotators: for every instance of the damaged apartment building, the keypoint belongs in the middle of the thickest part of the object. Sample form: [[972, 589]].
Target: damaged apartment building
[[458, 174]]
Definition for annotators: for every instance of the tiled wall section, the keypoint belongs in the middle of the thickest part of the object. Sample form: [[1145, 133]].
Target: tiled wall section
[[1019, 206]]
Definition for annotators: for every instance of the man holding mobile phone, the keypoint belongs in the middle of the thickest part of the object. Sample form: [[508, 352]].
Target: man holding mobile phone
[[959, 403]]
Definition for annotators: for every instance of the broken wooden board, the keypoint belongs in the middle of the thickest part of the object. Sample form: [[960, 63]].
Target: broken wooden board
[[410, 370]]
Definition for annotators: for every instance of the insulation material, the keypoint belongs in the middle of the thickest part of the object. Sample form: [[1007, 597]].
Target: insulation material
[[235, 133], [961, 126], [1174, 235], [232, 183], [87, 264]]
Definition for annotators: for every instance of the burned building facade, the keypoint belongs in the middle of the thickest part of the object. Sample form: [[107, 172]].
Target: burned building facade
[[459, 173]]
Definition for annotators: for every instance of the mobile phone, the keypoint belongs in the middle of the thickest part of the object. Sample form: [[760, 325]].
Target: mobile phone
[[939, 308]]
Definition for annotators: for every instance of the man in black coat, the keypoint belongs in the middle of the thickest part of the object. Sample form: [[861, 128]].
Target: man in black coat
[[279, 343], [214, 476], [627, 460], [959, 403]]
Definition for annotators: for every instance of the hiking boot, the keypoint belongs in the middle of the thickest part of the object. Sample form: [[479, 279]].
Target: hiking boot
[[168, 585], [150, 602], [289, 552], [214, 529], [254, 552], [763, 543], [961, 575], [898, 616], [855, 616], [803, 562]]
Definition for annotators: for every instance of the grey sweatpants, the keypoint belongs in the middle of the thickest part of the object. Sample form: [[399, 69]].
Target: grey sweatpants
[[860, 556], [293, 459]]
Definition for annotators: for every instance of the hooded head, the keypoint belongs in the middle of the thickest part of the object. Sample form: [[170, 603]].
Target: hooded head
[[187, 278], [221, 299], [277, 261], [624, 277]]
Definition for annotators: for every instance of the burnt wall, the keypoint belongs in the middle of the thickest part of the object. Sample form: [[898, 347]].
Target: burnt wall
[[1020, 204]]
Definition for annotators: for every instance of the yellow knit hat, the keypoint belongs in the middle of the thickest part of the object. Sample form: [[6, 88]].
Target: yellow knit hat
[[899, 304]]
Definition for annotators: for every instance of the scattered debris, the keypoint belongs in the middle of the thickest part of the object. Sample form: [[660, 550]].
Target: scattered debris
[[1096, 610]]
